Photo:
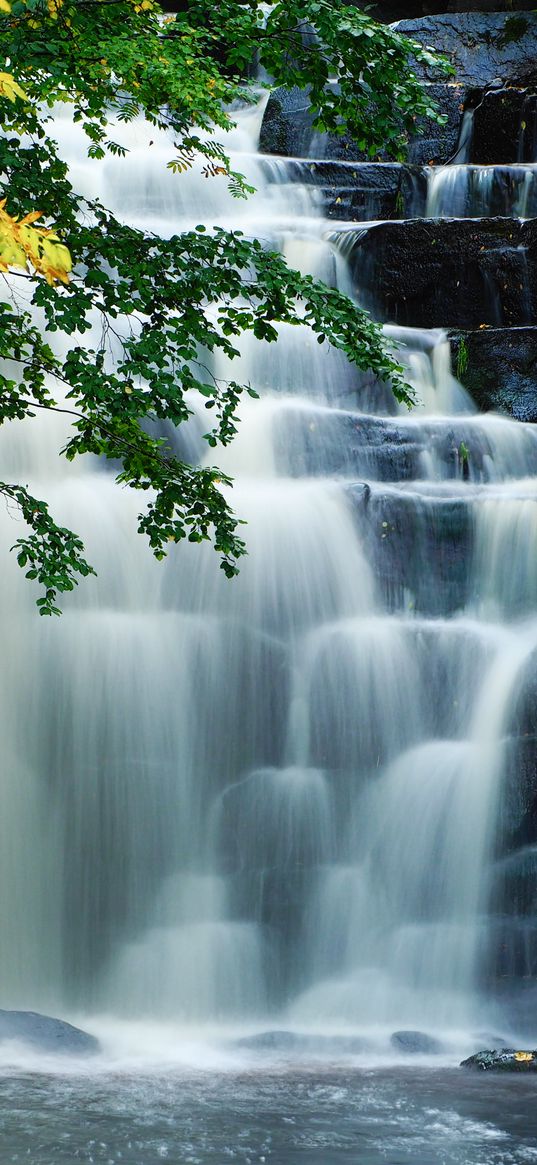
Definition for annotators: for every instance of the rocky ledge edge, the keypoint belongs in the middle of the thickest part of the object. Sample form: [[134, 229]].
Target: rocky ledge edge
[[502, 1060]]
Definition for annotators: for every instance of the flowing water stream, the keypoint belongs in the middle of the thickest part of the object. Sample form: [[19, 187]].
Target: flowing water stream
[[230, 808]]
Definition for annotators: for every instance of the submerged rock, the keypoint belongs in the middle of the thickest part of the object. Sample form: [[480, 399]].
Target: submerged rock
[[416, 1043], [502, 1060], [300, 1042], [46, 1034], [270, 1041]]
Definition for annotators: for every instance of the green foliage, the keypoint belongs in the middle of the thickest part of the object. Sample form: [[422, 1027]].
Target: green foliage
[[514, 29], [120, 58], [462, 358]]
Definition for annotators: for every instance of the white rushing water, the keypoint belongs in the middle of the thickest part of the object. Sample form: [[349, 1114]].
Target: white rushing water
[[270, 801], [463, 191]]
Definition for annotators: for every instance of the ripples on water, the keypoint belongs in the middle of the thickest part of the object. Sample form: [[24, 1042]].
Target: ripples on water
[[282, 1115]]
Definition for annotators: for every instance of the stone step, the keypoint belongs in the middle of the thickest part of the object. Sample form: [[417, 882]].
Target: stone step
[[496, 126], [474, 191], [446, 273], [357, 191], [479, 355], [311, 442]]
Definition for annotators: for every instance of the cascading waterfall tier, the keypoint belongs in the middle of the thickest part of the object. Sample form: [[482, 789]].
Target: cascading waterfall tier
[[273, 800]]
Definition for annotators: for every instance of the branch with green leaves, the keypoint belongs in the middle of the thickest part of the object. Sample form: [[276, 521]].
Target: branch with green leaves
[[169, 303]]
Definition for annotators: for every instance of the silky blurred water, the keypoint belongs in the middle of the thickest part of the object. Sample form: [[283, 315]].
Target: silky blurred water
[[273, 803]]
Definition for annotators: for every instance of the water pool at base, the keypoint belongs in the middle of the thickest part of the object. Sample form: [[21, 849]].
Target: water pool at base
[[284, 1114]]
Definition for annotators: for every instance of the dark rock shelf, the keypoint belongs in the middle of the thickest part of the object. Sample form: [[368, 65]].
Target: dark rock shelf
[[362, 191], [447, 273], [498, 367], [502, 1060]]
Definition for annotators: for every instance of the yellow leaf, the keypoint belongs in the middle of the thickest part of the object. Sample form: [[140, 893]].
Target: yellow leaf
[[21, 242], [524, 1056], [29, 218], [5, 6], [9, 87]]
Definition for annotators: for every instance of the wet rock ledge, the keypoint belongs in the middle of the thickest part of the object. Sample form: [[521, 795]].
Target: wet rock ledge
[[479, 355], [502, 1060], [451, 273]]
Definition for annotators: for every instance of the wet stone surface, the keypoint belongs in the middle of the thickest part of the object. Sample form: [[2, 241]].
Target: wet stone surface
[[477, 356], [481, 47], [287, 130], [447, 273], [46, 1034], [502, 1060]]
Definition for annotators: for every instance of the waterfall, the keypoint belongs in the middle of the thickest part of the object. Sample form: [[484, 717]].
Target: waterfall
[[462, 191], [272, 800]]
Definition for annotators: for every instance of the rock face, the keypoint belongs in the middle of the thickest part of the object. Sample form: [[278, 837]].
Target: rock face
[[440, 529], [402, 9], [504, 127], [45, 1034], [494, 54], [448, 272], [503, 1060], [482, 49], [477, 355], [287, 130]]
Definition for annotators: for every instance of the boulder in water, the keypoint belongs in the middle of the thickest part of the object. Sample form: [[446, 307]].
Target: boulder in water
[[502, 1060], [416, 1043], [270, 1041], [302, 1043], [46, 1034]]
